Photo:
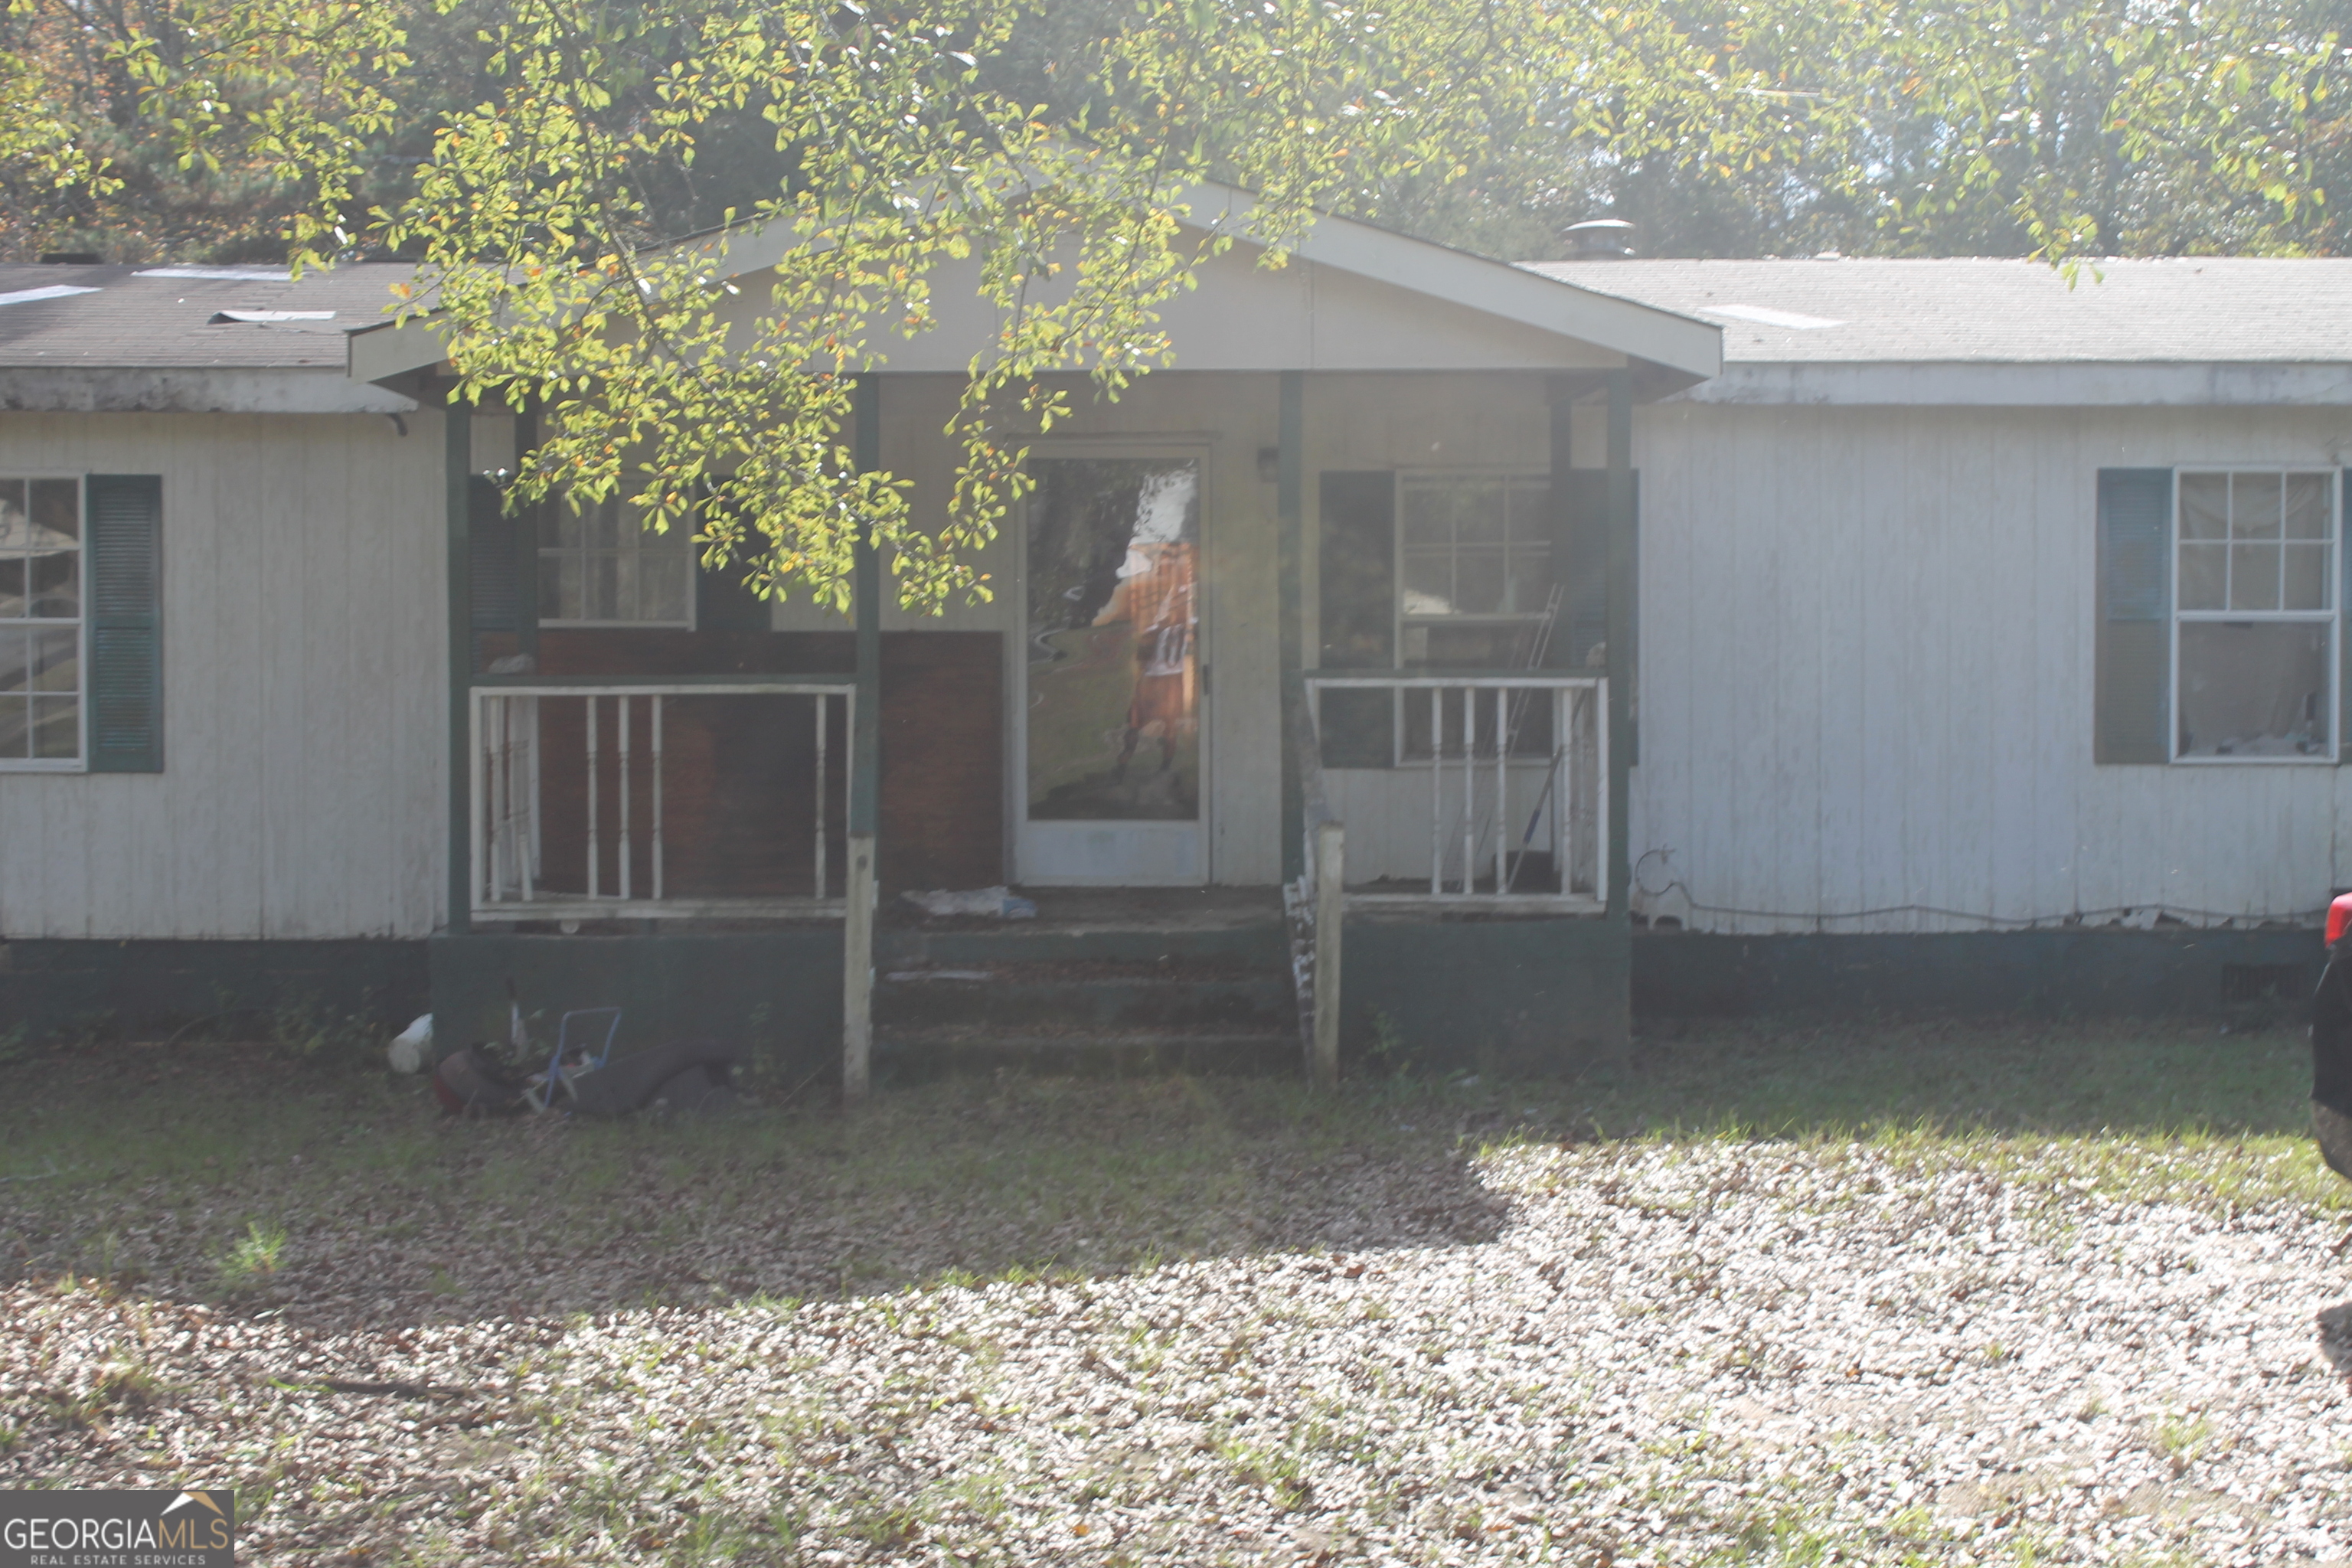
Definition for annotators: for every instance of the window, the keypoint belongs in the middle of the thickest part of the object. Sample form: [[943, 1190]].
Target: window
[[2254, 613], [603, 568], [40, 623], [1474, 568]]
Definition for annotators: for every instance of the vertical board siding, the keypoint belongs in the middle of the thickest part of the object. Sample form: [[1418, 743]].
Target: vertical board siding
[[1868, 648], [302, 595]]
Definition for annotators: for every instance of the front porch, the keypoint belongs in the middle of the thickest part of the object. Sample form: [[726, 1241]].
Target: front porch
[[1386, 830], [1104, 980]]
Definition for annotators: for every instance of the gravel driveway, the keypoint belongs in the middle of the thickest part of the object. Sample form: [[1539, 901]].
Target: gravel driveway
[[1648, 1351]]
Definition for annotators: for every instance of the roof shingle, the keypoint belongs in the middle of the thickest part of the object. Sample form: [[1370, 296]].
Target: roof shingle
[[2209, 309], [138, 318]]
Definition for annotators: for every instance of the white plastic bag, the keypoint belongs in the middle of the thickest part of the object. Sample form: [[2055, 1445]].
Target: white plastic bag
[[411, 1049]]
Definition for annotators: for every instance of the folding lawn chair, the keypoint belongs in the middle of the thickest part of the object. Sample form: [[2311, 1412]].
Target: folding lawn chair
[[562, 1069]]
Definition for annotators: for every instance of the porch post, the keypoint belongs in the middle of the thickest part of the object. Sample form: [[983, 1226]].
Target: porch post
[[456, 469], [1290, 511], [1621, 631], [864, 771], [525, 546], [1560, 401]]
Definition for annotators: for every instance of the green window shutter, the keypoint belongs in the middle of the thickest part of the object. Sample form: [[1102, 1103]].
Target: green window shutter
[[123, 536], [1580, 556], [1356, 612], [490, 536], [2133, 699], [723, 601], [2343, 629]]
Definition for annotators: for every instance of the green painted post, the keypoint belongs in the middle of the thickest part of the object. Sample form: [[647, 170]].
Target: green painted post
[[1290, 511], [859, 882], [457, 463], [1559, 399], [1621, 635], [526, 547], [865, 740]]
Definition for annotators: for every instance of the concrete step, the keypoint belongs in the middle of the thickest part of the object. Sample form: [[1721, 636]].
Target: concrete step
[[1197, 996]]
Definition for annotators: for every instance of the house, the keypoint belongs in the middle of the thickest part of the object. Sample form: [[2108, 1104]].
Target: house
[[1731, 631], [1962, 683]]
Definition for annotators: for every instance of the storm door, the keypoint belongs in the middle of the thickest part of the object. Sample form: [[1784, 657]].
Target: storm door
[[1107, 752]]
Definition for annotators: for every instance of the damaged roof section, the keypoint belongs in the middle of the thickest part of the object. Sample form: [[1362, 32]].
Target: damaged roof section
[[189, 339]]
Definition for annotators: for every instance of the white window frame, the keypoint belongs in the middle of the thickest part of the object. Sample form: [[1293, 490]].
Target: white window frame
[[79, 761], [691, 565], [2332, 614], [1406, 479]]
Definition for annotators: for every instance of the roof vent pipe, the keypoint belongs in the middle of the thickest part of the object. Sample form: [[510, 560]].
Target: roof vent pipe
[[1598, 239]]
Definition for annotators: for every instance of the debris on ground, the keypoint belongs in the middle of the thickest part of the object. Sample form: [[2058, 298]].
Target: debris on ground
[[997, 904]]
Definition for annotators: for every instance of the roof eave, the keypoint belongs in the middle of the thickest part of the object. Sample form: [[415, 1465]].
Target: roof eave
[[1682, 349]]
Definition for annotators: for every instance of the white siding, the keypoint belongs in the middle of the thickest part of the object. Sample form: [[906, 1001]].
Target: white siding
[[1866, 677], [304, 689]]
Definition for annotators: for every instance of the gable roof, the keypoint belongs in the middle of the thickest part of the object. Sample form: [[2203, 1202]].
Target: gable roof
[[2139, 330], [246, 339], [1668, 349]]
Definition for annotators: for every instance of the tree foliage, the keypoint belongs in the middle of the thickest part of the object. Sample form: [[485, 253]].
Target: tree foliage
[[540, 160]]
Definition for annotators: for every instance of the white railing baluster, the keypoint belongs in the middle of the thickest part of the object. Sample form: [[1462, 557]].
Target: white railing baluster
[[531, 796], [1469, 786], [1603, 805], [1436, 794], [594, 767], [820, 795], [503, 856], [478, 773], [623, 728], [1502, 791], [657, 794], [1563, 783]]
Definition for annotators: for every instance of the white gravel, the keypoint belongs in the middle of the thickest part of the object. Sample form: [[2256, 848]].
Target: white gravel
[[1673, 1352]]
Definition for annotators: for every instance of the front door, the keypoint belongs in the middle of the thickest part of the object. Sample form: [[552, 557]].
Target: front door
[[1107, 752]]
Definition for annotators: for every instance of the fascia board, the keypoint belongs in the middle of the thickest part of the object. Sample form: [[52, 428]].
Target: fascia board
[[1621, 326], [63, 389], [2076, 385], [1678, 344], [394, 348]]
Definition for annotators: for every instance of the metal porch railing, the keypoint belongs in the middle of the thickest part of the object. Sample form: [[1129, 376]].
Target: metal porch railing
[[620, 777], [1515, 766], [1518, 775]]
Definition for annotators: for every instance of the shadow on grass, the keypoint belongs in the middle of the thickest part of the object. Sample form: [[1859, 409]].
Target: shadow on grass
[[169, 1174], [157, 1172]]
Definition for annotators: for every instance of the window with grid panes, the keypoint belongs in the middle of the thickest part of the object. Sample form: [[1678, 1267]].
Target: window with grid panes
[[40, 623], [602, 567], [1475, 567], [2254, 613]]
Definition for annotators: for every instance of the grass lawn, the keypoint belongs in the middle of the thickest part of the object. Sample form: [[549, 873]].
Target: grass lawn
[[1884, 1293]]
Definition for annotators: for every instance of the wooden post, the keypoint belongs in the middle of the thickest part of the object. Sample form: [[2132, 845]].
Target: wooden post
[[457, 464], [1330, 919], [857, 972], [865, 774], [1619, 717], [1290, 511]]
